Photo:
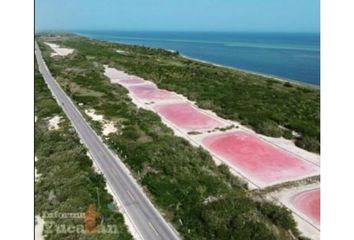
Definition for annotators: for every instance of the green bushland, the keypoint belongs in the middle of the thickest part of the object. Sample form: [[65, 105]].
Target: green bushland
[[67, 176], [203, 201]]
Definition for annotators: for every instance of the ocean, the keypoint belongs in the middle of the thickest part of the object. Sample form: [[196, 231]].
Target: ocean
[[291, 56]]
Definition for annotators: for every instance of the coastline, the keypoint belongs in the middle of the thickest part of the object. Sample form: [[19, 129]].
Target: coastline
[[281, 79], [273, 77]]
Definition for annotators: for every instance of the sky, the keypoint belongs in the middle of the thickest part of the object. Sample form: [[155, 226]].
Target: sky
[[179, 15]]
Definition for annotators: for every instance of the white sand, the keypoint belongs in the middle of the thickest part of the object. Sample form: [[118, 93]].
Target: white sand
[[306, 229], [108, 127], [95, 117], [88, 154], [121, 52], [36, 175], [53, 123], [306, 225], [58, 51], [39, 228]]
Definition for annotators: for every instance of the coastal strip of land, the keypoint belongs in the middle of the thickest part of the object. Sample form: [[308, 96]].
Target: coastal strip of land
[[197, 196]]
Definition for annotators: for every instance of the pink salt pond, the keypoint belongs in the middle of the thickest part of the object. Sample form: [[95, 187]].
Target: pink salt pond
[[149, 92], [259, 161], [131, 81], [187, 117], [308, 203]]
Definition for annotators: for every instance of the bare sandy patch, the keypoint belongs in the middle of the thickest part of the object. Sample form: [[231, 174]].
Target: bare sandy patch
[[53, 123], [36, 174], [107, 126], [115, 75], [59, 51], [39, 228], [92, 114], [122, 52]]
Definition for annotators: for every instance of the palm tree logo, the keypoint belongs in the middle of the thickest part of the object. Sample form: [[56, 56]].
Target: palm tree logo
[[91, 216]]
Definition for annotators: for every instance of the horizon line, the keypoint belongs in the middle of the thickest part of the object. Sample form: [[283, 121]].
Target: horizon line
[[161, 30]]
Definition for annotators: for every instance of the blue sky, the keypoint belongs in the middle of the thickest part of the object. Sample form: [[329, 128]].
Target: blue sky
[[179, 15]]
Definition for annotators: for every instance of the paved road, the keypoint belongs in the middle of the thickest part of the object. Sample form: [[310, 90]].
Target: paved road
[[147, 221]]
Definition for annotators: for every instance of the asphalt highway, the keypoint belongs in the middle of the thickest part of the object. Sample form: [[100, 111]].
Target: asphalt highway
[[146, 219]]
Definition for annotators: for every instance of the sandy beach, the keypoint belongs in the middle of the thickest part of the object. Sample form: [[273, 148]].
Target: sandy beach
[[59, 51]]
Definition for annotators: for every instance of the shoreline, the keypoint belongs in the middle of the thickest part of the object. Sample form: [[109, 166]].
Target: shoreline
[[281, 79], [277, 78]]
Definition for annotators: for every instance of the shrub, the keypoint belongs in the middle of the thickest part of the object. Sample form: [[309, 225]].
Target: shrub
[[270, 128], [287, 84], [308, 143], [278, 215]]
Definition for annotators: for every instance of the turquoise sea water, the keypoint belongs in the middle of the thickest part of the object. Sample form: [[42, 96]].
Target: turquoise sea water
[[293, 56]]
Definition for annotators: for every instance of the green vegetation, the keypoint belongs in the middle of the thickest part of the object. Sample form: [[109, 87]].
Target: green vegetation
[[68, 183], [203, 201]]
